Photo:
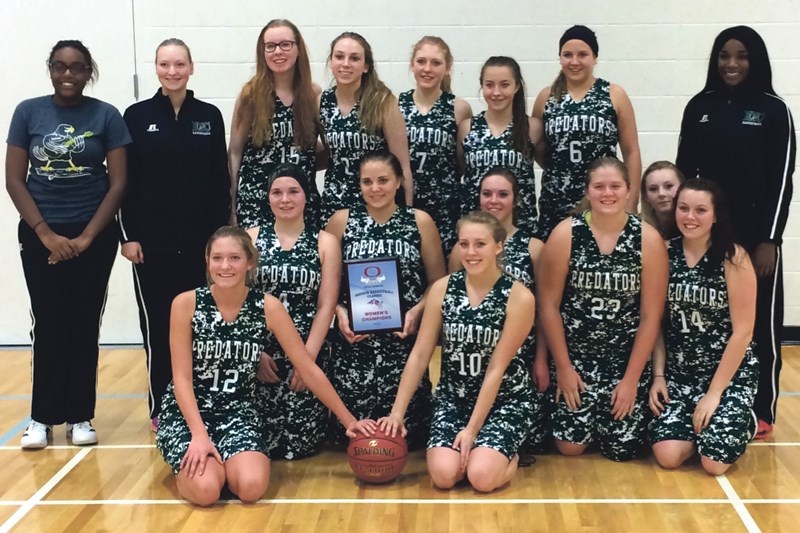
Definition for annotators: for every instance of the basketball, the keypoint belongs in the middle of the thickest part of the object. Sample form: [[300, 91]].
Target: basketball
[[379, 458]]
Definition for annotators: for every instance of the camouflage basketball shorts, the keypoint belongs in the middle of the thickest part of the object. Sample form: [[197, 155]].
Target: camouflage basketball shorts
[[506, 425], [730, 429], [620, 440]]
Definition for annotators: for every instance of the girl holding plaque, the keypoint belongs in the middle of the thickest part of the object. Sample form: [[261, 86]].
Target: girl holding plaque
[[484, 400], [366, 367], [301, 266]]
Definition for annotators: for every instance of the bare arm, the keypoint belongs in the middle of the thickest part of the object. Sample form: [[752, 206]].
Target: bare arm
[[331, 258], [536, 135], [461, 134], [538, 113], [628, 143], [394, 129], [463, 110], [418, 359], [281, 325]]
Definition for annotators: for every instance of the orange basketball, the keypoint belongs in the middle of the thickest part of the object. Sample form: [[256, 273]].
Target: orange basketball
[[379, 458]]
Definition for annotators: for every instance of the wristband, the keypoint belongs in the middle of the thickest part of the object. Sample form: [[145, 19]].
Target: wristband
[[37, 224]]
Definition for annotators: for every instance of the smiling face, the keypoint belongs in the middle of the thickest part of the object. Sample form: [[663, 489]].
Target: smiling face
[[429, 66], [378, 183], [479, 250], [694, 214], [733, 63], [279, 61], [347, 61], [497, 197], [498, 87], [173, 68], [228, 263], [607, 190], [68, 84], [660, 187], [287, 199], [577, 61]]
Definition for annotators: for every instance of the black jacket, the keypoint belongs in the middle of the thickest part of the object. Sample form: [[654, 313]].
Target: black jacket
[[178, 181], [745, 142]]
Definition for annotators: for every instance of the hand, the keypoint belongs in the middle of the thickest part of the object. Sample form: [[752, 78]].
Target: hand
[[194, 461], [78, 144], [61, 248], [296, 383], [540, 374], [344, 326], [390, 424], [704, 411], [411, 322], [463, 444], [764, 259], [81, 243], [623, 399], [267, 369], [366, 427], [659, 395], [132, 251], [569, 385]]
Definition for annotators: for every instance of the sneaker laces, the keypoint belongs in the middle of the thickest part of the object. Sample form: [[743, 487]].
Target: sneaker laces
[[83, 426], [36, 426]]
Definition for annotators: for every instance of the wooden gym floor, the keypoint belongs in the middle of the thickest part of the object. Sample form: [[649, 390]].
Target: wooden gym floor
[[123, 485]]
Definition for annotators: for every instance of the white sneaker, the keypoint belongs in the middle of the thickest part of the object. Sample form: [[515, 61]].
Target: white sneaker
[[82, 433], [36, 436]]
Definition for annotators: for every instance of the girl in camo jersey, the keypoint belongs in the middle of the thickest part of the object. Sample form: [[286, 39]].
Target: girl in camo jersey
[[704, 396], [359, 114], [584, 118], [366, 369], [210, 429], [302, 267], [602, 282], [499, 195], [501, 136], [432, 115], [484, 400], [275, 120]]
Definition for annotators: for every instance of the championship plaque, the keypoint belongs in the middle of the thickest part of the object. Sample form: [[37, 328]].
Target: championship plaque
[[374, 302]]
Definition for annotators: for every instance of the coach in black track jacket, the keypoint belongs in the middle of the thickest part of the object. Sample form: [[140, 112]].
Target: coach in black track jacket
[[178, 195], [738, 133]]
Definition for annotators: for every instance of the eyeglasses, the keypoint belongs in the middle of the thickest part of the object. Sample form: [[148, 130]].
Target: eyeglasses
[[270, 47], [76, 68]]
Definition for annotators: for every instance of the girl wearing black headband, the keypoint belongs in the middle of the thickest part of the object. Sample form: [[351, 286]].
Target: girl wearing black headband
[[584, 118], [301, 266]]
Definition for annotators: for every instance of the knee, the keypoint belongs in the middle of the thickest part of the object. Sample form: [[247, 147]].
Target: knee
[[483, 479], [667, 460], [204, 495], [712, 467], [567, 448], [444, 477], [250, 487]]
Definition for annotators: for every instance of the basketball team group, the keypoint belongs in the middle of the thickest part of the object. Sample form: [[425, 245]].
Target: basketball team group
[[566, 322]]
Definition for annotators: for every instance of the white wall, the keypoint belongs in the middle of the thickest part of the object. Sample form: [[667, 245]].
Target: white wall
[[657, 51]]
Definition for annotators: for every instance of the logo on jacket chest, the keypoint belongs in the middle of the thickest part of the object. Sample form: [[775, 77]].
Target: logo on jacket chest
[[753, 118], [201, 128]]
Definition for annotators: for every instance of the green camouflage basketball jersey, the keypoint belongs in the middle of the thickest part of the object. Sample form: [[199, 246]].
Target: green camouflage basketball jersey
[[517, 264], [483, 151], [366, 374], [293, 276], [577, 133], [432, 148], [295, 420], [252, 207], [699, 319], [225, 358], [470, 335], [601, 304], [347, 141]]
